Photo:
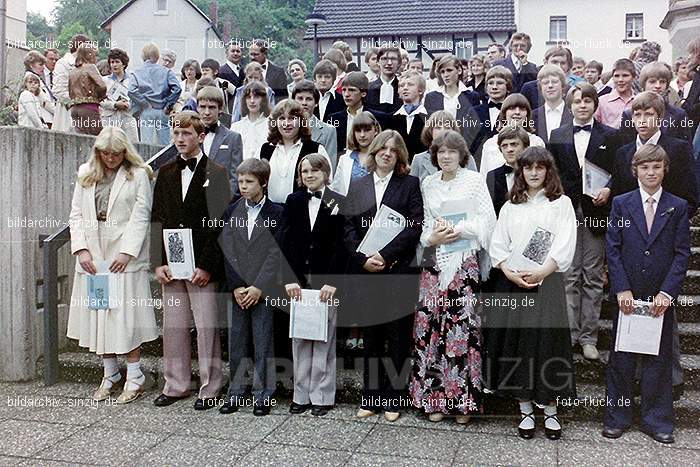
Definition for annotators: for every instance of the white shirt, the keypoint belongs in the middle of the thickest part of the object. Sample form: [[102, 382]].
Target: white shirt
[[323, 103], [581, 139], [264, 69], [492, 157], [186, 176], [516, 62], [351, 118], [517, 222], [510, 179], [410, 117], [253, 135], [283, 170], [653, 140], [209, 139], [253, 213], [451, 103], [235, 68], [314, 206], [380, 185], [646, 196], [386, 91], [553, 116]]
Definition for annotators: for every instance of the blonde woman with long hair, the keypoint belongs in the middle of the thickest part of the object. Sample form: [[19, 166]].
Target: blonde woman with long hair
[[109, 227]]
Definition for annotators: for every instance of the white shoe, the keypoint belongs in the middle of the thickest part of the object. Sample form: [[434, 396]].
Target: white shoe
[[462, 419], [436, 417], [391, 416], [590, 352], [364, 413]]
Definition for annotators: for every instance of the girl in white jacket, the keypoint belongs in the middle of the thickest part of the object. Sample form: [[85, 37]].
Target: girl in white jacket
[[35, 107]]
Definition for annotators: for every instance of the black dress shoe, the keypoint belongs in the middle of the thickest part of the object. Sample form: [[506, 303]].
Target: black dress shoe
[[550, 433], [612, 433], [164, 401], [261, 410], [228, 407], [321, 410], [206, 403], [297, 409], [665, 438]]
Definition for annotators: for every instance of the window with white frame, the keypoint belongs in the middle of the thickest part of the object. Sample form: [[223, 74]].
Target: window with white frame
[[161, 6], [464, 48], [557, 28], [634, 26]]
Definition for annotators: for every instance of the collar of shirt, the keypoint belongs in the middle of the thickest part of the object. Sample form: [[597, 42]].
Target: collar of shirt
[[257, 207], [384, 81], [558, 109], [418, 110], [198, 157], [322, 190], [328, 94], [377, 179], [653, 140], [233, 66], [353, 115], [516, 62], [646, 196], [461, 87], [298, 142], [539, 196], [614, 95], [114, 77], [589, 122]]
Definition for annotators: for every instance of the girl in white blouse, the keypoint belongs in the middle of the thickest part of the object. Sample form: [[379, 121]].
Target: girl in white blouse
[[527, 339], [446, 376], [255, 109], [35, 107], [353, 164]]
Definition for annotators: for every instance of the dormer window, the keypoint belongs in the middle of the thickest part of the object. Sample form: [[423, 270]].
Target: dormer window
[[161, 7]]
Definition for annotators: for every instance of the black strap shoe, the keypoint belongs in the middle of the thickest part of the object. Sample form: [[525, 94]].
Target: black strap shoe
[[297, 409], [527, 433], [164, 401], [550, 433]]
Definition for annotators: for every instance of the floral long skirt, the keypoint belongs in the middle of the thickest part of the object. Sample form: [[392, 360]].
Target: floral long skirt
[[446, 373]]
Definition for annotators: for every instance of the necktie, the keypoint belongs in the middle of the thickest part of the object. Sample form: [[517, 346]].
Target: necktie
[[495, 104], [51, 78], [584, 128], [649, 213], [182, 163], [410, 108], [311, 194]]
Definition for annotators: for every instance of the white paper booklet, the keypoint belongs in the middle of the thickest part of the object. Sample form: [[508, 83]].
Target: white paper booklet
[[640, 331], [594, 179], [534, 253], [386, 226], [308, 317], [179, 252], [102, 288], [454, 211]]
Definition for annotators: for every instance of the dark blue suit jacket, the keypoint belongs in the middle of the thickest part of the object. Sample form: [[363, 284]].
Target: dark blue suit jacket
[[373, 94], [675, 123], [647, 263], [466, 115], [339, 120], [601, 152], [531, 91], [527, 73], [680, 179]]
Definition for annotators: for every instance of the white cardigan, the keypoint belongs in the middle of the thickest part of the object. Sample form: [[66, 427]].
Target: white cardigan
[[343, 174], [128, 223]]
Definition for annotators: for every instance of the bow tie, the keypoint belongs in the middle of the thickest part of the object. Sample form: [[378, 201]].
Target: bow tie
[[495, 104], [264, 67], [507, 169], [211, 128], [317, 194], [182, 163], [584, 128]]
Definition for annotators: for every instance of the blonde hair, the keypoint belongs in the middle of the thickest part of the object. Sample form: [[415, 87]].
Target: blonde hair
[[150, 52], [114, 140]]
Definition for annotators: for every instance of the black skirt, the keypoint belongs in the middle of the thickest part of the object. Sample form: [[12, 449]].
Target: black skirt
[[527, 342]]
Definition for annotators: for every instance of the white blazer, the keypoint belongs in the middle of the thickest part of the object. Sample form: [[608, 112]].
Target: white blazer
[[343, 174], [127, 228]]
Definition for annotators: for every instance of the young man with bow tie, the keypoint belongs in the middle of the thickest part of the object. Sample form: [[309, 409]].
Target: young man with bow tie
[[648, 246], [585, 140], [191, 192]]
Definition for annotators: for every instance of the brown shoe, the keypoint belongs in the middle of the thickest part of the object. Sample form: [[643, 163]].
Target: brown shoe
[[131, 395]]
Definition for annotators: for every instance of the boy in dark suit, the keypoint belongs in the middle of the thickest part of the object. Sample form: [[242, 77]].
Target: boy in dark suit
[[512, 140], [551, 81], [409, 120], [653, 221], [191, 192], [221, 145], [252, 261], [499, 83], [383, 93], [585, 140], [517, 62], [330, 101]]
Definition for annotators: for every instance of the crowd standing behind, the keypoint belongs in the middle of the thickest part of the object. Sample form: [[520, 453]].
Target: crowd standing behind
[[279, 180]]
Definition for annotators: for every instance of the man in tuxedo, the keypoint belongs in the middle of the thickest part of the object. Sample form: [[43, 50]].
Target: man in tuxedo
[[512, 141], [330, 101], [383, 93], [221, 145], [647, 107], [648, 246], [274, 75], [409, 120], [585, 140], [517, 62], [306, 94], [355, 86], [553, 113], [191, 193], [232, 70], [250, 244]]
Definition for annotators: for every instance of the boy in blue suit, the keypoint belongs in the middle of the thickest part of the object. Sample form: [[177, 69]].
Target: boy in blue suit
[[648, 246]]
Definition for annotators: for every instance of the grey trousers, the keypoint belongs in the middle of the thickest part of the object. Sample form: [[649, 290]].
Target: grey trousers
[[256, 324], [315, 367], [584, 284]]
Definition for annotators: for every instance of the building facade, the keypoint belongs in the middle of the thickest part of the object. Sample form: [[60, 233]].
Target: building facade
[[682, 21]]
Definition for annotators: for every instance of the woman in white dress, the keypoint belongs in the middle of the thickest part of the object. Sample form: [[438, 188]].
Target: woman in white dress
[[353, 164], [446, 376], [255, 108], [109, 226], [514, 111]]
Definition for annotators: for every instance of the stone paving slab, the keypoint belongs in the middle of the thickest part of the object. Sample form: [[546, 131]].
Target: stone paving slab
[[194, 450]]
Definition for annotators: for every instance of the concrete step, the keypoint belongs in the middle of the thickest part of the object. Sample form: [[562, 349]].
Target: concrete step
[[687, 309], [590, 406], [695, 221], [694, 261], [689, 334], [691, 285], [695, 236]]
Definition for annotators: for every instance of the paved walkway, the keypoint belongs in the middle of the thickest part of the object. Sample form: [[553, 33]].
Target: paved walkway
[[60, 425]]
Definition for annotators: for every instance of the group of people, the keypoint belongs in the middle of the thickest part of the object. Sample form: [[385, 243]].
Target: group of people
[[493, 278]]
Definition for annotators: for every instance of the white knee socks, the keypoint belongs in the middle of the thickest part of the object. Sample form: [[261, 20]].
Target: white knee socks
[[111, 372], [134, 377]]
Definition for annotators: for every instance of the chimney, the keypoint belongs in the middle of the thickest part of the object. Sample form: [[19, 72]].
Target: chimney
[[214, 12], [227, 31]]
